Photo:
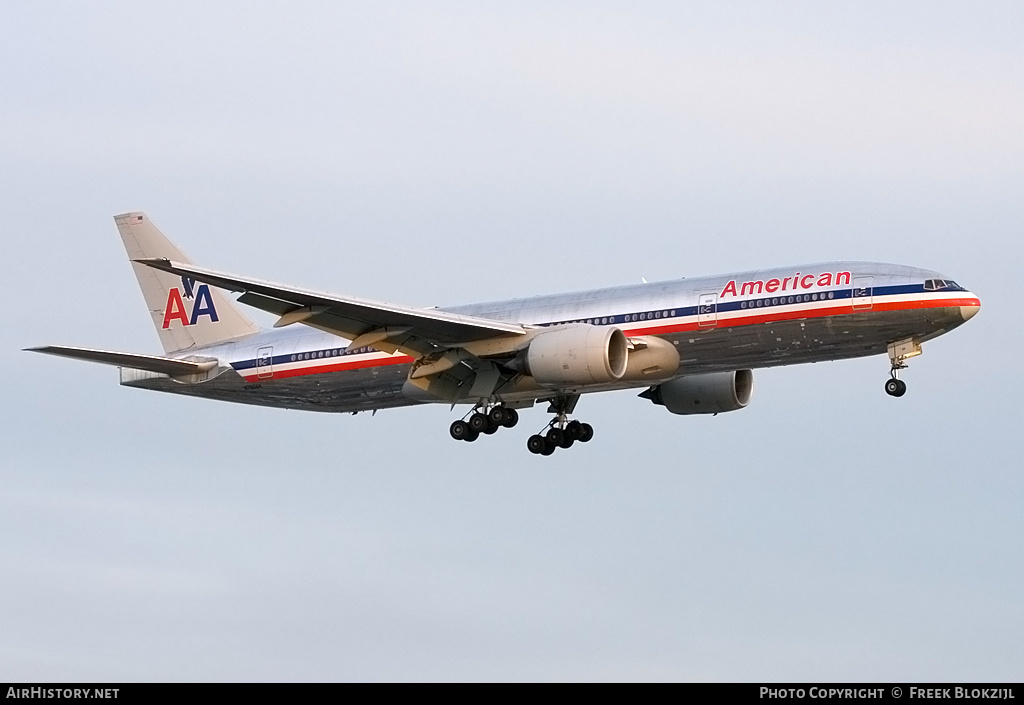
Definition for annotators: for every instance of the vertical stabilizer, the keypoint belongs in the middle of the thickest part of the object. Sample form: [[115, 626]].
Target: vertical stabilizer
[[186, 313]]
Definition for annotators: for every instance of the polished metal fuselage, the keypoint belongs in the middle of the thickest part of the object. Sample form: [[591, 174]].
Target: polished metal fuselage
[[782, 316]]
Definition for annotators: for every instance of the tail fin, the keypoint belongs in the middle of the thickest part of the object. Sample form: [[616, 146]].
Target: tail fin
[[186, 314]]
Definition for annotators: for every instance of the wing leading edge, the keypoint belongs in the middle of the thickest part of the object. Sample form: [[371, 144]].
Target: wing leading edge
[[366, 323]]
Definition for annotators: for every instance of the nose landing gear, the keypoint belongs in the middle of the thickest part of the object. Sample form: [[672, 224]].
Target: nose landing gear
[[898, 353], [894, 386]]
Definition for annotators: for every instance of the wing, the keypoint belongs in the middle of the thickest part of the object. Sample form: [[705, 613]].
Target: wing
[[366, 323], [151, 363]]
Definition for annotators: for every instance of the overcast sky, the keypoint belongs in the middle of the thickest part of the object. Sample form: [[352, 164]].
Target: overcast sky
[[441, 153]]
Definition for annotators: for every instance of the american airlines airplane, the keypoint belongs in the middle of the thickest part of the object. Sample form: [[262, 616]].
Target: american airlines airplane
[[690, 343]]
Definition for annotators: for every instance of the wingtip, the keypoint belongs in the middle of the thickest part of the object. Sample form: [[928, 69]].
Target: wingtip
[[161, 263]]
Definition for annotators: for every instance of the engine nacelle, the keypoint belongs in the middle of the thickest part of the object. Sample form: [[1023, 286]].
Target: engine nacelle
[[577, 355], [710, 393]]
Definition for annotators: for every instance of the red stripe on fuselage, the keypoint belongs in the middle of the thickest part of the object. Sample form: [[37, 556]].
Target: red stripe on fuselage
[[252, 376], [747, 317]]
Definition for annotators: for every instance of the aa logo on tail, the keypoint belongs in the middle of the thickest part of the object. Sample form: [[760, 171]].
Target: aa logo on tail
[[202, 304]]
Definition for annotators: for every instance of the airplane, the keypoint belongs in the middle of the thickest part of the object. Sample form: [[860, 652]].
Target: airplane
[[692, 344]]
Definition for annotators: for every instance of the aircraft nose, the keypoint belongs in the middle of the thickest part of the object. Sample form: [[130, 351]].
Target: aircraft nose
[[969, 308]]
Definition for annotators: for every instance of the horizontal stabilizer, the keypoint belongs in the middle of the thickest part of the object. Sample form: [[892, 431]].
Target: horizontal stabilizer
[[150, 363]]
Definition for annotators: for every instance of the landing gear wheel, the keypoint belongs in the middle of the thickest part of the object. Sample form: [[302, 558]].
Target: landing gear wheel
[[473, 435], [491, 427], [586, 432], [559, 438], [460, 431], [497, 416], [549, 448], [511, 418], [895, 387], [536, 444], [555, 436], [479, 423], [574, 429]]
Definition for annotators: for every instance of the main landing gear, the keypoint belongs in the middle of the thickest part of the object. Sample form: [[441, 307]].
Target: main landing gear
[[560, 433], [483, 420]]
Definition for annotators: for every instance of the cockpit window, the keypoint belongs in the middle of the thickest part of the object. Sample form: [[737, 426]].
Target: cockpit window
[[940, 284]]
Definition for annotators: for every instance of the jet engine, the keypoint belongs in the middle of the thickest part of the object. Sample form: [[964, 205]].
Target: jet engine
[[710, 393], [577, 355]]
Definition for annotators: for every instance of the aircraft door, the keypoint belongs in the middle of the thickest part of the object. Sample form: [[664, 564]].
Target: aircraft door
[[707, 310], [861, 294], [265, 363]]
